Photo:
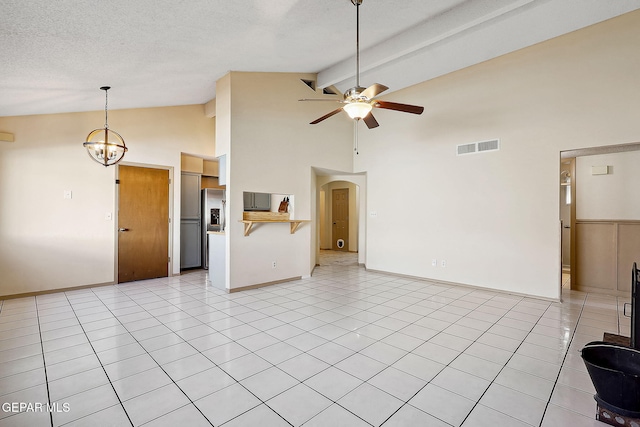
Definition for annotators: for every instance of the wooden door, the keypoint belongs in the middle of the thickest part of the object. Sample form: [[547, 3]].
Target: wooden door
[[340, 219], [143, 223]]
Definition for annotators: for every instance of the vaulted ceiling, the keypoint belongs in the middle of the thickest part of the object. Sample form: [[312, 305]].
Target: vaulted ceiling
[[56, 54]]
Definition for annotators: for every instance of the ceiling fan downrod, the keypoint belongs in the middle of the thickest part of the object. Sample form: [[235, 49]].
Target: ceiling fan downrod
[[357, 4]]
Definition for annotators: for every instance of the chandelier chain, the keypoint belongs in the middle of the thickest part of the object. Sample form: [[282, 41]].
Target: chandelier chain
[[106, 114]]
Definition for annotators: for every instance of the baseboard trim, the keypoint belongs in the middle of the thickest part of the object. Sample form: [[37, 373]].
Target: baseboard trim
[[262, 285], [53, 291], [464, 285], [600, 291]]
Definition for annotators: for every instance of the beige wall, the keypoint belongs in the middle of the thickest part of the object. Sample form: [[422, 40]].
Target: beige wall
[[494, 216], [272, 149], [611, 196], [48, 242]]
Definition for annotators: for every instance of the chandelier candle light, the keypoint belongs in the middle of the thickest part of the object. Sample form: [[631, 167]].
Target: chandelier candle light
[[105, 146]]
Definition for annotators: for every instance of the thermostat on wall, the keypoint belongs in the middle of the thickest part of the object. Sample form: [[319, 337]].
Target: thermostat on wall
[[599, 170]]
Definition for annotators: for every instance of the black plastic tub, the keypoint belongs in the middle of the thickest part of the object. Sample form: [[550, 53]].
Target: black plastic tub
[[615, 372]]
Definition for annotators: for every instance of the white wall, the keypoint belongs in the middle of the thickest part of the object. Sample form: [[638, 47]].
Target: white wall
[[612, 196], [494, 216], [48, 242], [273, 149]]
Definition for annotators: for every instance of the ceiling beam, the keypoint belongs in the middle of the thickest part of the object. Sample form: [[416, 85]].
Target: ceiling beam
[[465, 36], [446, 25]]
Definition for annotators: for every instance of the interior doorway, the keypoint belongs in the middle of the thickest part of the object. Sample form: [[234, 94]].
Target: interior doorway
[[594, 183], [340, 219], [326, 182], [143, 223], [567, 216]]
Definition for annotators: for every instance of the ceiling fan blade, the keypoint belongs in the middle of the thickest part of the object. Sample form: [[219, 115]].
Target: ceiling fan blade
[[374, 90], [326, 116], [320, 99], [405, 108], [370, 121]]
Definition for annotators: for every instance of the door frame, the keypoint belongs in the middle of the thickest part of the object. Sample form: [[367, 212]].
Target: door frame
[[116, 209], [575, 153]]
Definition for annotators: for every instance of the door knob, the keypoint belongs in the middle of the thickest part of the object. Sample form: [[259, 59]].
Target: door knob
[[123, 229]]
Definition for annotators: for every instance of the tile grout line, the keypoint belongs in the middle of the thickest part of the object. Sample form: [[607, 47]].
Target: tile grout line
[[504, 365], [252, 352], [346, 304], [100, 361], [439, 332], [322, 290], [148, 353], [447, 288], [44, 362], [275, 366], [198, 352], [360, 351], [400, 295], [563, 360], [445, 366]]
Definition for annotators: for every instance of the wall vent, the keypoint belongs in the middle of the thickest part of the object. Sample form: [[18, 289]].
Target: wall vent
[[466, 148], [478, 147], [494, 144]]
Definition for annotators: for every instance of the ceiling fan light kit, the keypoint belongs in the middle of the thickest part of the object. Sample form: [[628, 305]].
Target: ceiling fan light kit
[[358, 101], [358, 110]]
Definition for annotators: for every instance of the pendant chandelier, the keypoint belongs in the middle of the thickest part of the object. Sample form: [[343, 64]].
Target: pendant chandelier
[[105, 146]]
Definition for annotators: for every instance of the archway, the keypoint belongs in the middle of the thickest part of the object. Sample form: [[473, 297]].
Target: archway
[[326, 181]]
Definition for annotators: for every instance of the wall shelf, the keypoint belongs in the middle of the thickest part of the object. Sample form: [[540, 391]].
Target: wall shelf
[[295, 223]]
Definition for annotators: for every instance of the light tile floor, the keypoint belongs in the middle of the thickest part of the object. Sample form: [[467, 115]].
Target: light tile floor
[[346, 347]]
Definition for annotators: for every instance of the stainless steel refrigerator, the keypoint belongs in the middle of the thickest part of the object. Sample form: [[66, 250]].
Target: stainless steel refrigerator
[[213, 204]]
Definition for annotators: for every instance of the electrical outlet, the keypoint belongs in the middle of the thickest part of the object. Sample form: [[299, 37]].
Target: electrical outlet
[[434, 262], [67, 194], [273, 264], [443, 263]]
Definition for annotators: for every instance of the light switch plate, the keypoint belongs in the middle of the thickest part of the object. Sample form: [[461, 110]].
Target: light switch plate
[[67, 194]]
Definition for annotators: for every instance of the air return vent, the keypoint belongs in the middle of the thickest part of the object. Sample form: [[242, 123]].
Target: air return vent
[[466, 148], [478, 147], [494, 144]]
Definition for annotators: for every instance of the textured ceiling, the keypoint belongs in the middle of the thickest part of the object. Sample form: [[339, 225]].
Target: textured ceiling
[[56, 54]]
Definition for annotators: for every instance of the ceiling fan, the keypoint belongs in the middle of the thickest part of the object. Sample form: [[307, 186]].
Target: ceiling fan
[[358, 101]]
